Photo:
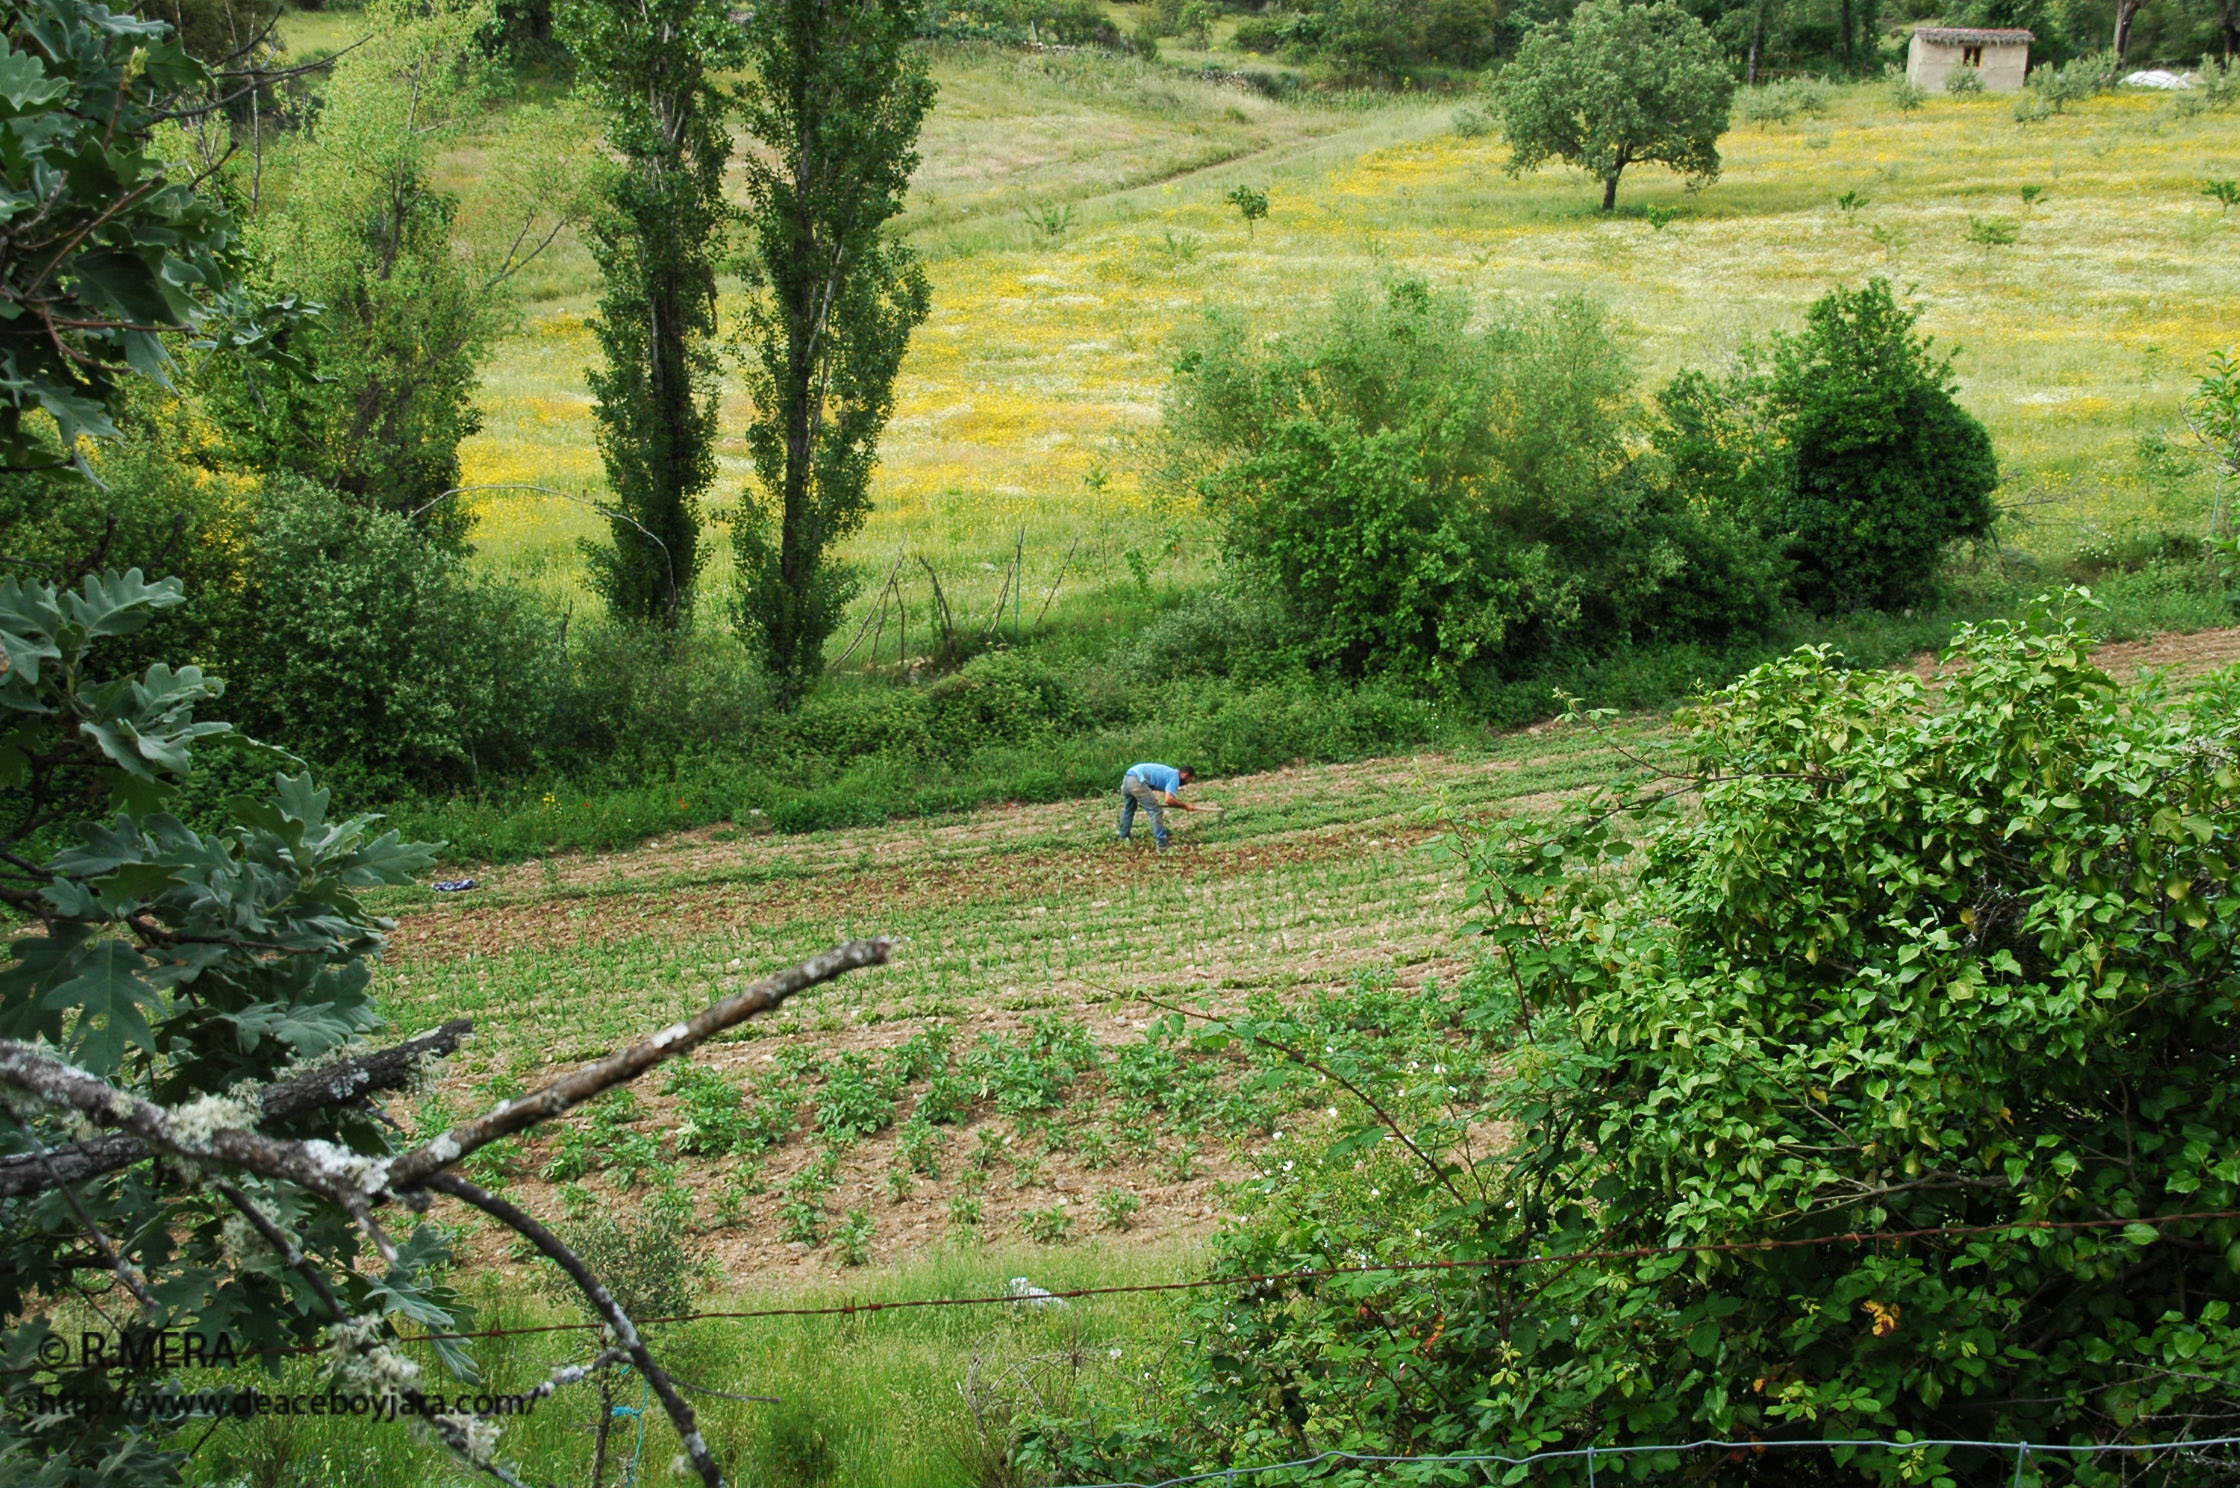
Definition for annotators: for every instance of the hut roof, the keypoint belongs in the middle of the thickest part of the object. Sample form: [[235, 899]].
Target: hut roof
[[1972, 36]]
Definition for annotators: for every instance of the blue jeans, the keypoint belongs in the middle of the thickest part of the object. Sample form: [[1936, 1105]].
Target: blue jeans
[[1134, 793]]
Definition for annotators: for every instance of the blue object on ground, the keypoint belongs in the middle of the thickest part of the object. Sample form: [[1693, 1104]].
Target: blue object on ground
[[454, 885]]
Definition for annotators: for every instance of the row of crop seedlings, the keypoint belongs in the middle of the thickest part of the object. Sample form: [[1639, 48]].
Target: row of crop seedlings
[[1013, 1101]]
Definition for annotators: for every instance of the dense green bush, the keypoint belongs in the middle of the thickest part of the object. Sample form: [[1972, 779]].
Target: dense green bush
[[357, 644], [1063, 22], [1385, 40], [154, 509], [1217, 632], [1843, 445], [636, 699], [999, 698], [1887, 469], [1437, 501], [1778, 103], [1928, 955]]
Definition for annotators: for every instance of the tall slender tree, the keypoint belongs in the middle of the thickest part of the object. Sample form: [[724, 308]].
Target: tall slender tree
[[652, 64], [2127, 11], [837, 98]]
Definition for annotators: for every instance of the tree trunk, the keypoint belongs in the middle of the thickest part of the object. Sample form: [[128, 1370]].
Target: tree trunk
[[2228, 21], [2126, 12], [1610, 192], [1850, 58]]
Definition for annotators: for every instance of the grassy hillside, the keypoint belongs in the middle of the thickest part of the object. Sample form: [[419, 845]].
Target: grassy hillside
[[1047, 351]]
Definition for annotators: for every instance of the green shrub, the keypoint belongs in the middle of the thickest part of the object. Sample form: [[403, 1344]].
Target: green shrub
[[1072, 23], [649, 1267], [1928, 955], [637, 698], [357, 644], [2073, 81], [1962, 82], [1886, 468], [1221, 632], [1262, 34], [1376, 40], [839, 724], [1778, 103], [999, 698], [1843, 446], [2218, 83], [1428, 499]]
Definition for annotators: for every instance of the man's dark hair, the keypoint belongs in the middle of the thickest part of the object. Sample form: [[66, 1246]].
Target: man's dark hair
[[1186, 772]]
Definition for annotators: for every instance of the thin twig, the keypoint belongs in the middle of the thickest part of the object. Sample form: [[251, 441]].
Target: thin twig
[[602, 1301], [413, 1168], [128, 1276], [1054, 583]]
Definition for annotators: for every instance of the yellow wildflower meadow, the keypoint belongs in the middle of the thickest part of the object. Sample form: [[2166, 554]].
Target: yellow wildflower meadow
[[1051, 335]]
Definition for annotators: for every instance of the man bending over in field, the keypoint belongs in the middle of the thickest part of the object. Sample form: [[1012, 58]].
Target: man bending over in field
[[1153, 788]]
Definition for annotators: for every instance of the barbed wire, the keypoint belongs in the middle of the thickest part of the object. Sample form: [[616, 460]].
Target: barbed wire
[[1589, 1454], [1263, 1278], [1473, 1263]]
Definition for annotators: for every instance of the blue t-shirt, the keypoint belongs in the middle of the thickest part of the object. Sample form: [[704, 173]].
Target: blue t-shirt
[[1163, 778]]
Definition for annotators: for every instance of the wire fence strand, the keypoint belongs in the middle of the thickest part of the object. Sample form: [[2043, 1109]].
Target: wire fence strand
[[854, 1308], [1590, 1454], [1366, 1268]]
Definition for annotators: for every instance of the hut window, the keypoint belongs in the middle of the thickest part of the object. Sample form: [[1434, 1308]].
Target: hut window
[[1971, 56]]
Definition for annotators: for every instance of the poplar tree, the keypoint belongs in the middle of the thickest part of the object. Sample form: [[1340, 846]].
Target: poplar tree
[[836, 100], [652, 65]]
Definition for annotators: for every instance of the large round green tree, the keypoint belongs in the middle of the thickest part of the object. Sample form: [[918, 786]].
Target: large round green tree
[[1618, 85]]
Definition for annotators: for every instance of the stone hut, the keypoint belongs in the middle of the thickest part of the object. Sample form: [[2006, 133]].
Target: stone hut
[[2003, 57]]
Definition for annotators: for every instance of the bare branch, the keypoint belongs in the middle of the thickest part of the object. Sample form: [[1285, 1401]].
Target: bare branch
[[345, 1082], [341, 1177], [413, 1169], [602, 1302], [454, 1436]]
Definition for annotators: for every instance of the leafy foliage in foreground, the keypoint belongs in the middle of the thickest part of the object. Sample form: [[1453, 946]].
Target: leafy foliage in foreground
[[101, 250], [1930, 955], [174, 964]]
